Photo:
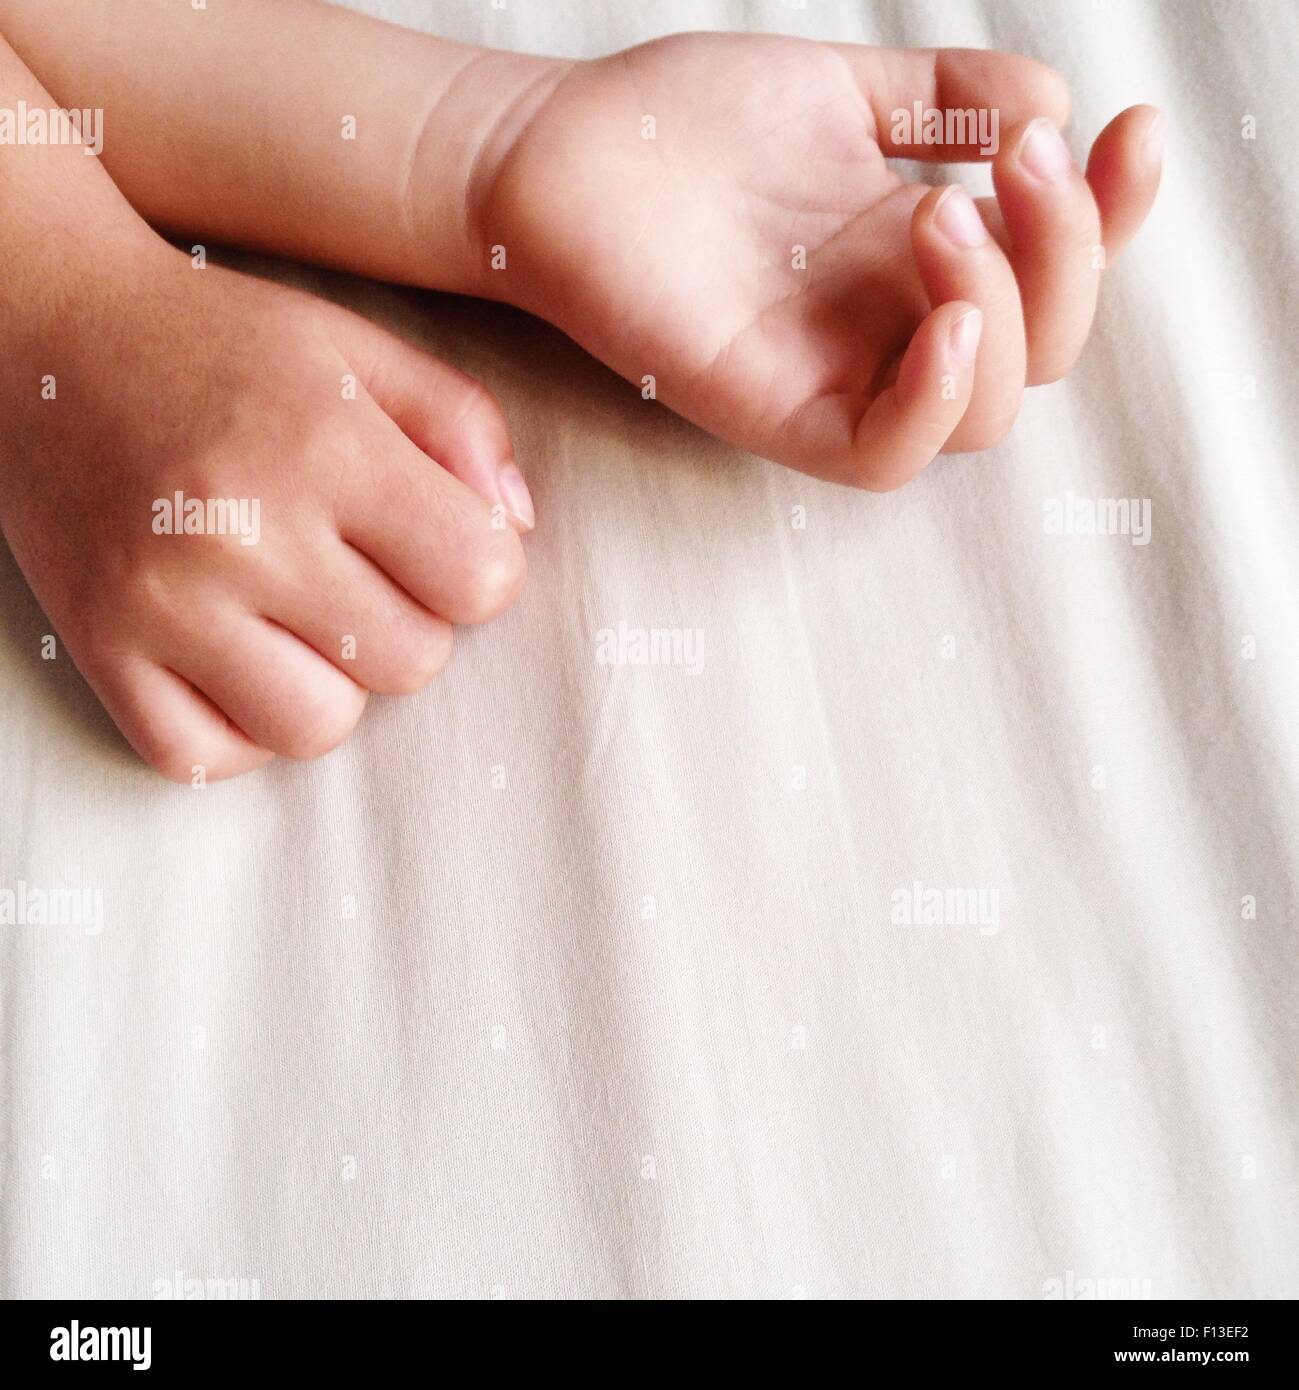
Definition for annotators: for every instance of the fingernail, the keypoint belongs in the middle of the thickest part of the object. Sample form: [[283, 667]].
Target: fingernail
[[1152, 143], [958, 219], [1043, 152], [964, 334], [515, 495]]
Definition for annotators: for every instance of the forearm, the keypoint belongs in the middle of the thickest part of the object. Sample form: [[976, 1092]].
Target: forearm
[[73, 254], [291, 126], [62, 222]]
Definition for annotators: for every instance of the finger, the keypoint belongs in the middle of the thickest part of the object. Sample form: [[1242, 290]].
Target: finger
[[454, 419], [906, 425], [1124, 170], [957, 259], [173, 727], [281, 693], [352, 613], [1056, 254], [438, 540], [990, 211], [974, 91]]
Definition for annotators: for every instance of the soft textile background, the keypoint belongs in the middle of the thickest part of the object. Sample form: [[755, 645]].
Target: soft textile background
[[621, 1009]]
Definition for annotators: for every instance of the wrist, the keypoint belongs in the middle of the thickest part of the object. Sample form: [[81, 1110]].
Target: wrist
[[462, 232]]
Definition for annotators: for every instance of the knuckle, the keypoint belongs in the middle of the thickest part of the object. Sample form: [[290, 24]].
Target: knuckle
[[169, 752], [890, 481], [478, 402], [480, 414], [174, 761], [181, 761], [493, 578], [415, 660], [319, 438], [323, 721]]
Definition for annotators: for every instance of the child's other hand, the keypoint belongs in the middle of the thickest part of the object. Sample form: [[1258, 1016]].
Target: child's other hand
[[348, 553], [654, 204]]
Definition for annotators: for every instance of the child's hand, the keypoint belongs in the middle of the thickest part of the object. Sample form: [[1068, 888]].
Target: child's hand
[[209, 651], [654, 204]]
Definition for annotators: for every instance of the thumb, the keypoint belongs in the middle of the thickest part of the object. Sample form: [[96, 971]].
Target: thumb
[[454, 419]]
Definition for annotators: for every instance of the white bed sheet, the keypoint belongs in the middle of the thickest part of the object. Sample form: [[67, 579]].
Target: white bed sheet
[[622, 1008]]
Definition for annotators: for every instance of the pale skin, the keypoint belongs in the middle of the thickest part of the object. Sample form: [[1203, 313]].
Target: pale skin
[[133, 375], [911, 328]]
